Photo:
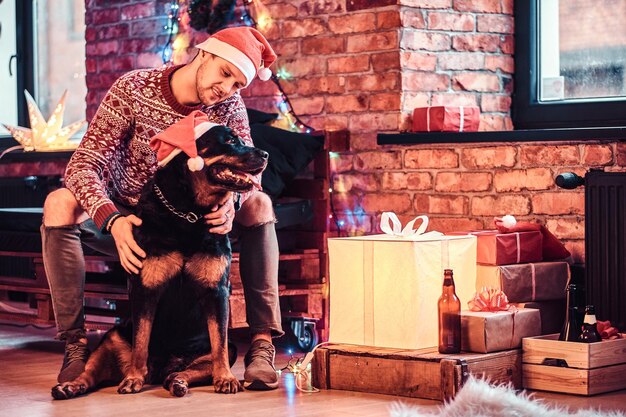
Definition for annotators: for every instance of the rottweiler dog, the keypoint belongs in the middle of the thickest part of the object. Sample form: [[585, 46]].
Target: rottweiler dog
[[179, 300]]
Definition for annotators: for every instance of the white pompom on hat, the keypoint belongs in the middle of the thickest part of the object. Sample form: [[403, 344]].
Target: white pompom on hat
[[244, 47], [181, 137]]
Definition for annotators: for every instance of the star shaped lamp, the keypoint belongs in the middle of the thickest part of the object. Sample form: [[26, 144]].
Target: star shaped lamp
[[45, 136]]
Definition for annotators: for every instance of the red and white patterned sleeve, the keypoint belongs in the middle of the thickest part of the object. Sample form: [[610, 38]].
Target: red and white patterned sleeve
[[85, 172]]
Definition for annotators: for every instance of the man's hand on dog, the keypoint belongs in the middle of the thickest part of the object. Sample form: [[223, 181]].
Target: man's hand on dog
[[222, 215], [128, 250]]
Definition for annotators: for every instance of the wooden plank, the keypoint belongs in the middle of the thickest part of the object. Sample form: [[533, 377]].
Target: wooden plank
[[348, 350], [408, 378], [450, 378], [539, 349], [319, 367], [300, 291], [237, 316], [321, 213], [501, 369], [121, 294], [542, 348], [338, 140], [15, 284], [44, 307], [309, 253], [609, 378], [20, 254], [103, 288], [574, 380], [303, 239], [304, 270], [555, 378]]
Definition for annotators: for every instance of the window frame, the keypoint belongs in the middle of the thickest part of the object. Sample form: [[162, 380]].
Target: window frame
[[526, 110], [25, 58]]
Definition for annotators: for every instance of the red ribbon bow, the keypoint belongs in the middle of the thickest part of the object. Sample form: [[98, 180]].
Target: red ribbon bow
[[607, 331], [489, 299], [493, 300]]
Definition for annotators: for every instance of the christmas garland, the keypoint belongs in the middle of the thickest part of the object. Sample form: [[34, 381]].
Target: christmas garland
[[206, 16]]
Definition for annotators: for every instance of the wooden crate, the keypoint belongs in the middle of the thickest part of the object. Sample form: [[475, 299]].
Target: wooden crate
[[575, 368], [422, 373]]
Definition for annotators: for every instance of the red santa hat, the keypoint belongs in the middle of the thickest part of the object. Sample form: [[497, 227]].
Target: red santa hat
[[181, 137], [244, 47]]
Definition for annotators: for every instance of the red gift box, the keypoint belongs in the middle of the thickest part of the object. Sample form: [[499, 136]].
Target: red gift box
[[495, 248], [446, 119]]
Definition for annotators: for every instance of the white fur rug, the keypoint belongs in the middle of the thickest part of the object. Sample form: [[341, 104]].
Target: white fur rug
[[478, 398]]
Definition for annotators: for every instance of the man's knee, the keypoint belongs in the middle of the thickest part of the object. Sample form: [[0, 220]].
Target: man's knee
[[257, 209], [61, 209]]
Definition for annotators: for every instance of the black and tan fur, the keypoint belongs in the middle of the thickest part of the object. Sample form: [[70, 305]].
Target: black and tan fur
[[180, 298]]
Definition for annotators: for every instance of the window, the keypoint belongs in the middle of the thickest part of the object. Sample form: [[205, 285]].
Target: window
[[8, 57], [60, 56], [44, 41], [570, 58]]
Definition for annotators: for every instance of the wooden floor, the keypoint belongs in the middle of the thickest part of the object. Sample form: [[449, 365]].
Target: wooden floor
[[30, 359]]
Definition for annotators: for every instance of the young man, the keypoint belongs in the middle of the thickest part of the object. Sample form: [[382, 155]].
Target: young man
[[114, 160]]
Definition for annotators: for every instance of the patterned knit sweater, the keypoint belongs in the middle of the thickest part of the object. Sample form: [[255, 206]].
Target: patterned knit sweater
[[114, 159]]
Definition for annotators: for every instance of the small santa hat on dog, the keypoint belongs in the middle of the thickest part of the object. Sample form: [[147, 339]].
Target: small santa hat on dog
[[244, 47], [181, 137]]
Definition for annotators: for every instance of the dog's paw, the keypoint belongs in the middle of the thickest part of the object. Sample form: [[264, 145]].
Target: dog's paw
[[130, 385], [68, 390], [178, 387], [227, 384]]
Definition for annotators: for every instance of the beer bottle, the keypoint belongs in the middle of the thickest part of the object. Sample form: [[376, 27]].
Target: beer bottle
[[449, 308], [590, 332], [571, 328]]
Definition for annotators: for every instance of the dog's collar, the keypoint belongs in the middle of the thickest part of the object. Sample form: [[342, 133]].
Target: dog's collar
[[191, 217]]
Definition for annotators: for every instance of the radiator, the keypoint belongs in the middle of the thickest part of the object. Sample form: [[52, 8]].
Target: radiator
[[605, 245]]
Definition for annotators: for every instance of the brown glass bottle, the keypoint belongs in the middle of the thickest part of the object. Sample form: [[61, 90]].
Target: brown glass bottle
[[449, 308], [590, 332]]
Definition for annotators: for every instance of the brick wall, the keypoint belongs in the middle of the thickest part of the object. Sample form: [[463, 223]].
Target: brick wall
[[120, 36], [363, 65]]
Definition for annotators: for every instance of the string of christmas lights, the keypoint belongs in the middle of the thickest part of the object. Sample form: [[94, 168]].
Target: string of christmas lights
[[264, 22], [172, 31]]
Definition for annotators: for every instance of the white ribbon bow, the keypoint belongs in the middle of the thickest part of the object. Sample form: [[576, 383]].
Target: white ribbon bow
[[395, 228]]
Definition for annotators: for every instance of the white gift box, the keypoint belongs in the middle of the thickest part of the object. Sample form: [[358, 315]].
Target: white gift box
[[384, 288]]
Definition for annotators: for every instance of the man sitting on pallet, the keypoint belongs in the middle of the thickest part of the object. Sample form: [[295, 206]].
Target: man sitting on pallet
[[108, 170]]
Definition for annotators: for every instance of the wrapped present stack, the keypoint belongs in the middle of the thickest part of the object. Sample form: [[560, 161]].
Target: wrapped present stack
[[524, 264]]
